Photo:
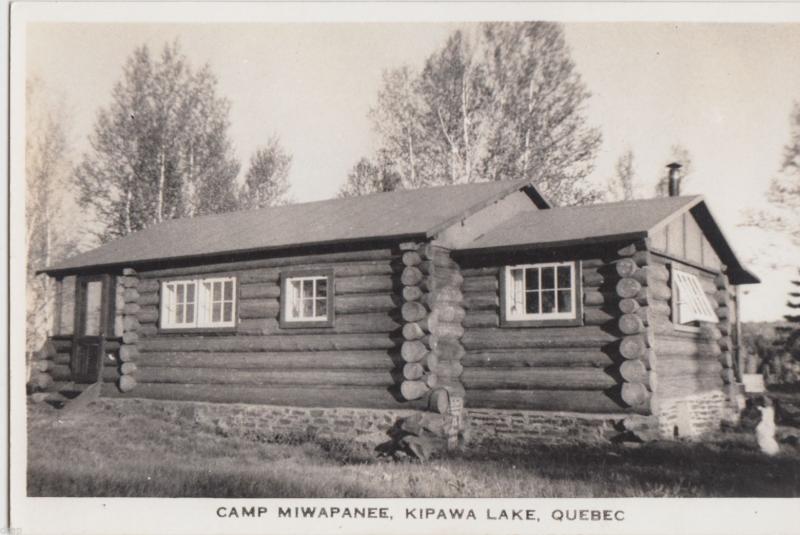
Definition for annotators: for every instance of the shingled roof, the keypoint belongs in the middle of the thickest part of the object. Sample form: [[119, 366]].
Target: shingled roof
[[394, 215], [627, 220]]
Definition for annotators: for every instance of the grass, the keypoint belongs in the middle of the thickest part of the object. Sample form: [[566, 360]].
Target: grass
[[142, 452]]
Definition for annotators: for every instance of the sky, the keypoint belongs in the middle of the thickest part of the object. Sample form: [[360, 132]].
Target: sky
[[724, 91]]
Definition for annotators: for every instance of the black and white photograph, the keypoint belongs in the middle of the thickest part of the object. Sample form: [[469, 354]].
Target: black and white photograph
[[447, 267]]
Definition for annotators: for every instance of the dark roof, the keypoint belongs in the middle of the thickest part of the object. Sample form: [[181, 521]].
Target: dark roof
[[606, 222], [397, 214]]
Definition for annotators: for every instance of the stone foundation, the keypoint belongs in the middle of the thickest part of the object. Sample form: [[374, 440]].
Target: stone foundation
[[263, 421], [513, 426], [693, 416]]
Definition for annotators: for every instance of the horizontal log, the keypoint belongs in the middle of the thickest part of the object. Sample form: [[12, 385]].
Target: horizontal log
[[652, 293], [285, 261], [412, 293], [411, 258], [350, 396], [409, 246], [130, 323], [148, 286], [630, 249], [538, 358], [357, 304], [128, 353], [431, 324], [413, 351], [685, 366], [364, 285], [635, 394], [411, 276], [151, 298], [130, 295], [721, 281], [128, 281], [412, 331], [630, 324], [439, 401], [448, 348], [289, 360], [437, 281], [480, 271], [588, 401], [724, 312], [726, 359], [597, 316], [721, 297], [342, 324], [315, 377], [625, 267], [652, 275], [130, 337], [447, 369], [536, 379], [628, 305], [264, 290], [63, 373], [413, 371], [481, 301], [412, 390], [725, 343], [627, 288], [728, 377], [480, 284], [131, 309], [448, 312], [147, 329], [634, 371], [127, 368], [413, 311], [593, 297], [593, 278], [43, 365], [127, 383], [306, 342], [431, 380], [147, 314], [709, 331], [448, 295], [481, 319], [586, 336], [686, 346], [635, 346], [259, 308]]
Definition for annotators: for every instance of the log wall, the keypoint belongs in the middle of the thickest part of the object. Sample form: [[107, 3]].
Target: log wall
[[568, 368], [355, 362]]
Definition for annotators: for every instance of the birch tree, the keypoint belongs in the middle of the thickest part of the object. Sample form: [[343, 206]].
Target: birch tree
[[160, 150], [621, 184], [267, 179], [368, 177], [47, 167]]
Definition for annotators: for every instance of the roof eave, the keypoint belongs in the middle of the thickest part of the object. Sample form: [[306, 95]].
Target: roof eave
[[591, 240], [56, 271]]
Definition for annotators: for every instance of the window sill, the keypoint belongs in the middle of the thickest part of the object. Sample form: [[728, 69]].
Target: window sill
[[197, 330], [573, 322], [327, 324]]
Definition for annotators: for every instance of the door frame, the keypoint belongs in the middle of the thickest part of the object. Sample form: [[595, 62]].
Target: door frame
[[106, 325]]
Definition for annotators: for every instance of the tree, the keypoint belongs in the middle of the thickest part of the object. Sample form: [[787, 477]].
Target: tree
[[678, 154], [267, 180], [501, 102], [47, 168], [160, 150], [367, 177], [539, 130], [621, 184]]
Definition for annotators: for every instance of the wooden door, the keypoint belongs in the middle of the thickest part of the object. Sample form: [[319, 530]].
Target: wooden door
[[93, 308]]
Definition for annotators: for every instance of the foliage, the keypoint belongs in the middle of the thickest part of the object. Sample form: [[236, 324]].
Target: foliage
[[160, 150], [498, 101], [367, 177], [47, 167], [267, 180], [621, 184]]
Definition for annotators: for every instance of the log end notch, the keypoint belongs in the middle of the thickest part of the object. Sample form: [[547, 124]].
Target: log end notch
[[133, 316]]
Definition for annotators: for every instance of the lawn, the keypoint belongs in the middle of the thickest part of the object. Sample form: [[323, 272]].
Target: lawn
[[102, 451]]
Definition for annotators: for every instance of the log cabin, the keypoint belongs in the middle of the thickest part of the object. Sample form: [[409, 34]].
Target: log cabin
[[484, 303]]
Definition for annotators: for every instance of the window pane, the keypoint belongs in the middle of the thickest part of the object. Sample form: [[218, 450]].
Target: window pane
[[531, 279], [229, 290], [564, 301], [217, 291], [548, 301], [532, 303], [308, 308], [321, 308], [564, 278], [216, 312], [94, 293], [516, 292], [179, 314], [227, 312], [190, 293], [308, 288], [548, 278], [181, 296], [322, 288], [294, 303], [190, 313]]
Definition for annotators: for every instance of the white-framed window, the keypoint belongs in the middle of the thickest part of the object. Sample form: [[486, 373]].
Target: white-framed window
[[690, 301], [198, 303], [543, 291], [305, 298]]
